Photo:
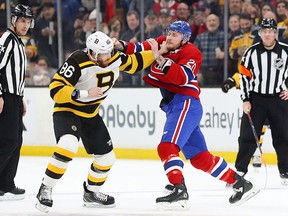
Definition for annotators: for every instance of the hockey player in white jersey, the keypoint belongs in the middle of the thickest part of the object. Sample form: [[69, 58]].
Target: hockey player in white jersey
[[78, 88]]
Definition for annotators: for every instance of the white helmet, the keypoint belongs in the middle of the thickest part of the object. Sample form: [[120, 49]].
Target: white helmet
[[98, 42]]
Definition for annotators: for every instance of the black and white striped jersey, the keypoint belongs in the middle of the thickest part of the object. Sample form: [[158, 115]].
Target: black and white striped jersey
[[264, 71], [13, 63]]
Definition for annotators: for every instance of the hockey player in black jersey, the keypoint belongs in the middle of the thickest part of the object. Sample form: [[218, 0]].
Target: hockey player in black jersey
[[78, 88]]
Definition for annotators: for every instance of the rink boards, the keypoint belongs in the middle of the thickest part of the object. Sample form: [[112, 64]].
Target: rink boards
[[135, 122]]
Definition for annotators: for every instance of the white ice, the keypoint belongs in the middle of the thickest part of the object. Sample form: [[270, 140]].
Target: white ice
[[136, 184]]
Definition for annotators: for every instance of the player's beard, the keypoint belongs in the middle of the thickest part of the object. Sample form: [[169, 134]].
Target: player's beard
[[103, 63]]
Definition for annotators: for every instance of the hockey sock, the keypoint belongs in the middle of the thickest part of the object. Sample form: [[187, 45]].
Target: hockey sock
[[214, 165], [99, 170], [173, 164], [65, 151]]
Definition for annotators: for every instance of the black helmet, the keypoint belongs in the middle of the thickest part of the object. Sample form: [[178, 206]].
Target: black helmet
[[23, 11], [268, 24]]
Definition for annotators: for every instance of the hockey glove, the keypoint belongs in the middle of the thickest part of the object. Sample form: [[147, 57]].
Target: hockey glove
[[228, 84]]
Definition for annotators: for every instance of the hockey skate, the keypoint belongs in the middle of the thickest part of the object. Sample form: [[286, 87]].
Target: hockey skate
[[44, 198], [15, 194], [100, 200], [284, 178], [256, 161], [242, 174], [176, 199], [169, 187], [243, 191]]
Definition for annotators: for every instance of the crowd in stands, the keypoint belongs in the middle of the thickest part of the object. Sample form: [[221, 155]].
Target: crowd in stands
[[121, 19]]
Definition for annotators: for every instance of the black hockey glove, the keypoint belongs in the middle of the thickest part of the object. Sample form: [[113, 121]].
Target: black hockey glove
[[228, 84]]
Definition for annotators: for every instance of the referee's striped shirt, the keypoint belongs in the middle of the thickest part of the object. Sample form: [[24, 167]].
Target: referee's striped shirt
[[13, 63], [264, 71]]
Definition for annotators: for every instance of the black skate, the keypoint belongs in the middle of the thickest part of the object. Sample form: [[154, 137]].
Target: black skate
[[169, 187], [242, 174], [243, 190], [177, 198], [92, 199], [284, 178], [44, 198], [15, 194]]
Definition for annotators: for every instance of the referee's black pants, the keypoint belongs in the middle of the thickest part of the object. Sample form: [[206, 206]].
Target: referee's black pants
[[11, 128], [276, 111]]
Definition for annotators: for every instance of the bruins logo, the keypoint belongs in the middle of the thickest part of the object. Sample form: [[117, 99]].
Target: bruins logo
[[74, 128]]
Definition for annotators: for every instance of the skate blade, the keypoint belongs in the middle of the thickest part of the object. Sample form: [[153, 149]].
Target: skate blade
[[97, 205], [12, 197], [179, 205], [257, 166], [247, 196], [42, 207], [284, 181]]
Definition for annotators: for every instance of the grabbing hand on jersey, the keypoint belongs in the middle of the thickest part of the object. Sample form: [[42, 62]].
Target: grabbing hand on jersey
[[154, 47], [157, 53], [117, 44]]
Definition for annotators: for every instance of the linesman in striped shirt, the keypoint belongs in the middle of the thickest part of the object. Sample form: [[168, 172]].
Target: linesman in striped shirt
[[264, 69], [13, 64]]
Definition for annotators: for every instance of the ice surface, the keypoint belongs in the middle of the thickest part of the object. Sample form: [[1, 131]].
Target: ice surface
[[136, 184]]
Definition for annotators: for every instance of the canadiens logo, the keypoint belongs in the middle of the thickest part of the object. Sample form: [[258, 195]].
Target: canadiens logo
[[278, 63], [155, 68], [2, 48]]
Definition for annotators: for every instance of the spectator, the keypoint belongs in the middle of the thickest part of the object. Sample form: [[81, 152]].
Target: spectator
[[133, 30], [82, 15], [136, 5], [281, 12], [131, 35], [254, 11], [233, 31], [264, 8], [115, 27], [46, 34], [122, 8], [82, 29], [151, 30], [164, 20], [42, 76], [3, 20], [183, 12], [198, 25], [240, 43], [284, 36], [235, 6], [211, 44], [93, 20], [171, 5], [69, 10]]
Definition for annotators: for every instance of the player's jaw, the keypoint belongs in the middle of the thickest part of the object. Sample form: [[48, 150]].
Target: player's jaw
[[172, 45], [103, 59]]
